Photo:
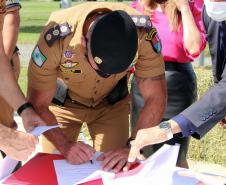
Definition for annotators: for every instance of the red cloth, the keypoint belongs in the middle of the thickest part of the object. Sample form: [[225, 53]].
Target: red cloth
[[39, 171]]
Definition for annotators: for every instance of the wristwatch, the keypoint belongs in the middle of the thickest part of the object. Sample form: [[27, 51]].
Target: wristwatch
[[165, 125]]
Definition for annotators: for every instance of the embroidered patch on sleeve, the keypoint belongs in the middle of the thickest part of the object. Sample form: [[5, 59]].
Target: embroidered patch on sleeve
[[154, 39], [38, 58]]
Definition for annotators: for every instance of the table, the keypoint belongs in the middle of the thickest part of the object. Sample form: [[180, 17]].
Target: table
[[40, 171]]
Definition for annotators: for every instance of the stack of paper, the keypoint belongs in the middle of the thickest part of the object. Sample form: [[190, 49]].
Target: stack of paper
[[156, 170]]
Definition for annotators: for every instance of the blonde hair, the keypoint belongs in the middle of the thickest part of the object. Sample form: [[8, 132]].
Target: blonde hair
[[171, 10]]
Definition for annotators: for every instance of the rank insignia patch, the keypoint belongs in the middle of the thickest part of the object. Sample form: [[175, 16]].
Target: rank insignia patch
[[68, 54], [154, 39], [69, 64], [38, 58]]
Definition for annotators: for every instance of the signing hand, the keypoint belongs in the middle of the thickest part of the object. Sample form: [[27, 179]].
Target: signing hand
[[114, 160], [19, 145], [144, 138], [78, 153]]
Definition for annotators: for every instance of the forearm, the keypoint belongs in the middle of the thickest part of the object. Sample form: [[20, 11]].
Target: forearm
[[153, 91], [56, 136], [191, 33], [150, 115], [10, 31], [9, 88]]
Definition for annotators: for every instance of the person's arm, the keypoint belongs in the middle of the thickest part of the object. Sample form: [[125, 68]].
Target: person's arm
[[151, 80], [193, 33], [74, 152], [18, 145], [11, 29], [9, 88], [153, 90]]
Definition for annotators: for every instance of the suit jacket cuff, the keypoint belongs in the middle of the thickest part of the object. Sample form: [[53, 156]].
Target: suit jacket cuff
[[187, 128]]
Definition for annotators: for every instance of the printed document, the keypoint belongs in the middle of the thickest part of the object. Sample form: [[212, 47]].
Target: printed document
[[68, 174]]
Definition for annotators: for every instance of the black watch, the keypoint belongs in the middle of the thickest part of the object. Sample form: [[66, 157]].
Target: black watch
[[23, 107]]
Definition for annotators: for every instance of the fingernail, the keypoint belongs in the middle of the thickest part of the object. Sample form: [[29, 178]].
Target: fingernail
[[125, 169]]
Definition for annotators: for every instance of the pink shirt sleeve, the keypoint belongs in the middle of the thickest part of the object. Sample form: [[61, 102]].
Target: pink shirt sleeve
[[198, 20]]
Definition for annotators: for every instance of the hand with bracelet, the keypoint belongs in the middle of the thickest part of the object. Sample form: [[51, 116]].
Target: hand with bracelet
[[19, 145], [29, 117]]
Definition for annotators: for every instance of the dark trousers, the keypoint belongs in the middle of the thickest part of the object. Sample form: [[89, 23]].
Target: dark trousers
[[182, 92]]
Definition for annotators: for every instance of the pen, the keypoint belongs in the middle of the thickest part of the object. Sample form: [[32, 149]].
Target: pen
[[85, 141]]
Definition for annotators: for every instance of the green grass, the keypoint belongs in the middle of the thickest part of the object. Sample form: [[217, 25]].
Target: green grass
[[212, 147], [23, 79], [33, 16]]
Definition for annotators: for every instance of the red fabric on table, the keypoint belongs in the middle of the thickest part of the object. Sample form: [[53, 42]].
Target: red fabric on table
[[40, 171]]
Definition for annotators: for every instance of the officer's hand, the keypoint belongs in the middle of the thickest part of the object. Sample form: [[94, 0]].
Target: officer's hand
[[143, 139], [78, 153], [19, 145], [114, 160], [31, 119], [203, 178]]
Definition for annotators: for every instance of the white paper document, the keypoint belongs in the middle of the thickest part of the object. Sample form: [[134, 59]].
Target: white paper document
[[68, 174], [156, 170], [7, 165]]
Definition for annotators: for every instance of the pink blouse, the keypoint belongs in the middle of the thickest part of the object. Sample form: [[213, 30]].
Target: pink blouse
[[173, 48]]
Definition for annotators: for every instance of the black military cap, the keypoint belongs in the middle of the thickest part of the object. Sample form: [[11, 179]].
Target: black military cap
[[113, 42]]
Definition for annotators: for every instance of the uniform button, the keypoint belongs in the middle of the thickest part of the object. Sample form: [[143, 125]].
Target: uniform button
[[203, 119], [95, 92], [98, 81], [191, 131], [72, 101]]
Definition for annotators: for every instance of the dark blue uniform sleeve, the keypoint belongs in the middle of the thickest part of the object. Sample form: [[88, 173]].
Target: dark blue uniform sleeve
[[204, 114]]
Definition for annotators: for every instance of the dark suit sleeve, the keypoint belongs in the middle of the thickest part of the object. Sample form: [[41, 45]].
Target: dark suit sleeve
[[201, 116], [210, 109]]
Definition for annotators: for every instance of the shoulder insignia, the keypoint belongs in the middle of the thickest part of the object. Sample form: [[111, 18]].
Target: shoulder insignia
[[38, 57], [142, 21], [153, 38], [59, 31]]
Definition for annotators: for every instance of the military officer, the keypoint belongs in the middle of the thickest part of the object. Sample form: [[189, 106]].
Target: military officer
[[91, 48], [17, 145]]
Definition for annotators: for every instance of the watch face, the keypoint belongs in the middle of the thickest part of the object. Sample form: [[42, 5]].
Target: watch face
[[164, 125]]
